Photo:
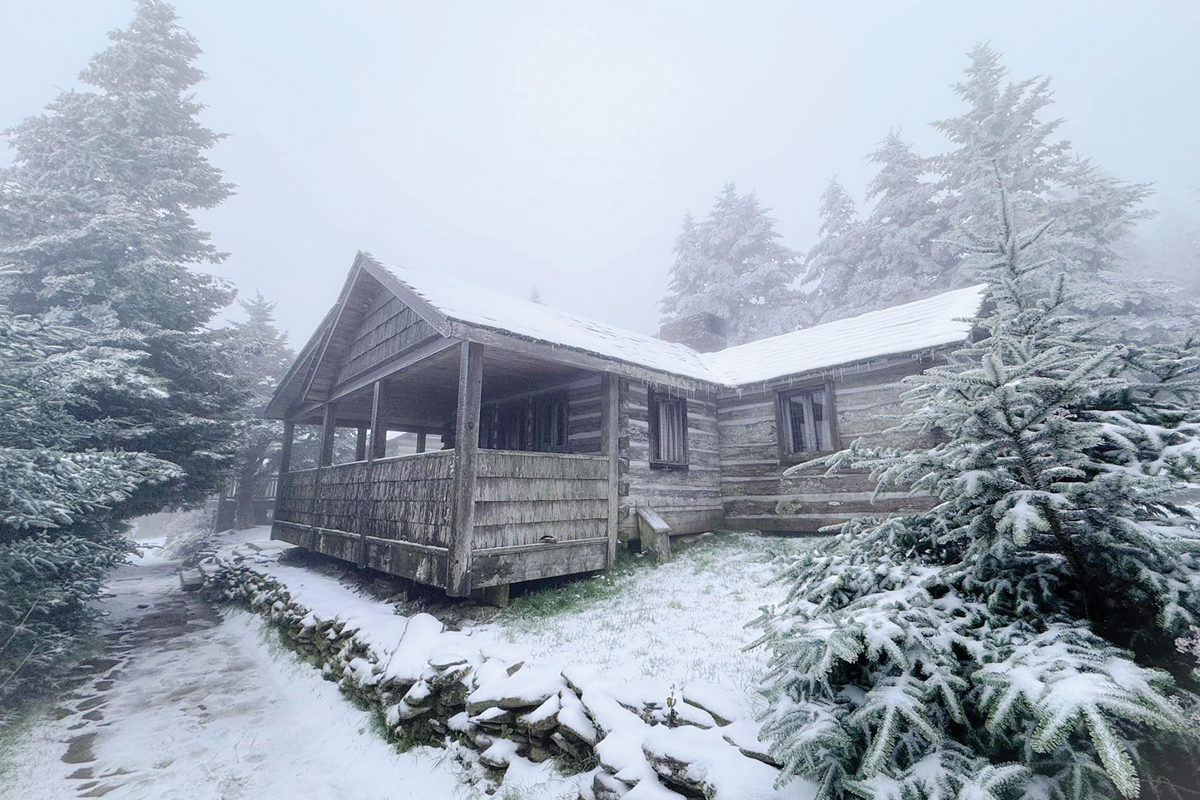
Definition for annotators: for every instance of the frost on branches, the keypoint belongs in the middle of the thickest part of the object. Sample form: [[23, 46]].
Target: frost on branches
[[1018, 640], [96, 217], [894, 251], [731, 264], [61, 490]]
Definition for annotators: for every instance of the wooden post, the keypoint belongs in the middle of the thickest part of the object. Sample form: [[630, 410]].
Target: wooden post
[[420, 441], [378, 423], [360, 445], [285, 453], [328, 434], [610, 446], [466, 447], [378, 449]]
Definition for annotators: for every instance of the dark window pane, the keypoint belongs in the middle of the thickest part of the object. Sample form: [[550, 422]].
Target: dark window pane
[[670, 429], [820, 420], [796, 419]]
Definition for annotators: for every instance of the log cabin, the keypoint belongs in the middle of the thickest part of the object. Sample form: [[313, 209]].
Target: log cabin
[[555, 437]]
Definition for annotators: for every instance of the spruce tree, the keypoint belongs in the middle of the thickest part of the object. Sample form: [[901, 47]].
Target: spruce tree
[[95, 215], [731, 264], [258, 357], [885, 258], [1018, 639], [916, 200], [61, 501]]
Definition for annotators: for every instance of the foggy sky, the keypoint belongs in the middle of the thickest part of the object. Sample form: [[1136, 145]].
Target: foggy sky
[[559, 144]]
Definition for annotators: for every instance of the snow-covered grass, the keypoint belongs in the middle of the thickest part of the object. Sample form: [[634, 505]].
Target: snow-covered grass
[[680, 621]]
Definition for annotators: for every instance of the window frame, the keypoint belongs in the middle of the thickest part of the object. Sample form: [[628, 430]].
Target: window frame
[[783, 420], [552, 411], [653, 400]]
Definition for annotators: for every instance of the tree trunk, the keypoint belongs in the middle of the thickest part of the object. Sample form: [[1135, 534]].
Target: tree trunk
[[247, 488]]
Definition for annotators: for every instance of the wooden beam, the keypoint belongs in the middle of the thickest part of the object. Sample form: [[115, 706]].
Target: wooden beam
[[576, 358], [328, 434], [399, 363], [610, 433], [466, 448], [360, 445], [378, 422], [421, 441], [285, 452]]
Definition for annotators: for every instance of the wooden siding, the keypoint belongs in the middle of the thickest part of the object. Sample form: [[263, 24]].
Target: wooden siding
[[583, 416], [755, 493], [406, 499], [688, 500], [521, 497], [388, 328]]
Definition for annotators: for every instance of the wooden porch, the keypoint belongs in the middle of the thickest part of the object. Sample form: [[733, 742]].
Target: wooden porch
[[535, 515], [471, 516]]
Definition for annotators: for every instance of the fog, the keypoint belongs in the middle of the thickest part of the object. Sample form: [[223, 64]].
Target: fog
[[559, 145]]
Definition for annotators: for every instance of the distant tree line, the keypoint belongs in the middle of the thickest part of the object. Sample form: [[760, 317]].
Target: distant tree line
[[893, 251]]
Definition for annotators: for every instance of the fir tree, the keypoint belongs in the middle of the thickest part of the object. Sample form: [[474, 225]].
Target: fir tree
[[61, 501], [885, 258], [95, 216], [258, 357], [731, 264], [1017, 639]]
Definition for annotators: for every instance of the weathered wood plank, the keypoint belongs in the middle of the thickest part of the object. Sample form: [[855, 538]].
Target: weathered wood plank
[[610, 448], [470, 388], [543, 561]]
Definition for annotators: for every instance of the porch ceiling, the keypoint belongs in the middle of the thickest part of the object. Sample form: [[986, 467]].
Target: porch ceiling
[[425, 395]]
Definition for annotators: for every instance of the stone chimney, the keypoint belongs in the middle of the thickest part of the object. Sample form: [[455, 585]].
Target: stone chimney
[[703, 332]]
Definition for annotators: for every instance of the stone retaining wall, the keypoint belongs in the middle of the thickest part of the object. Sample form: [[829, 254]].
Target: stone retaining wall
[[638, 740]]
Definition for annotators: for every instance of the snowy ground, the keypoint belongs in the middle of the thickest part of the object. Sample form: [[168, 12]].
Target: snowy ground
[[188, 704], [682, 621]]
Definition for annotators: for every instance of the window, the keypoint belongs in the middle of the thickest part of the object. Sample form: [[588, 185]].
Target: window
[[539, 424], [668, 431], [806, 420], [549, 432]]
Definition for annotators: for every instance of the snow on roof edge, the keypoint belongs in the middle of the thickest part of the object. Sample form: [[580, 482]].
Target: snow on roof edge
[[923, 324], [920, 325], [485, 308]]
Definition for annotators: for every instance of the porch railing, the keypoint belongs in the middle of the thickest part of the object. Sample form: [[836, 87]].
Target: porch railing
[[406, 498], [525, 500]]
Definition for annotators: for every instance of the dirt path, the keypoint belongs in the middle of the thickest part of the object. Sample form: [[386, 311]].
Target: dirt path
[[187, 703]]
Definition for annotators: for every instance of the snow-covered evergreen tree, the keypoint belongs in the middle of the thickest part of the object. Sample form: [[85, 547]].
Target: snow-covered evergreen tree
[[258, 357], [1018, 639], [732, 264], [917, 200], [885, 258], [95, 216], [61, 501]]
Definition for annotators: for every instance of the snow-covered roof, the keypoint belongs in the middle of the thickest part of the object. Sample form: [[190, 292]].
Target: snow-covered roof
[[920, 325], [475, 305], [923, 324]]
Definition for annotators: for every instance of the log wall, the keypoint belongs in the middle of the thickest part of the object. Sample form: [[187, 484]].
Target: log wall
[[688, 500], [583, 416], [755, 493]]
